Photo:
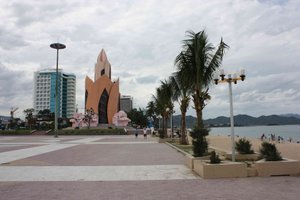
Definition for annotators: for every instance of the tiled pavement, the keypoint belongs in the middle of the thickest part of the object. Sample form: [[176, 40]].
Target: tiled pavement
[[117, 167]]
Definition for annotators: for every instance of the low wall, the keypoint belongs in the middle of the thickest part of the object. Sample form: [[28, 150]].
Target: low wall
[[277, 168], [243, 157], [223, 170], [189, 160]]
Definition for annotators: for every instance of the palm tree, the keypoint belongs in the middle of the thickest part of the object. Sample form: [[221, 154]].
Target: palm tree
[[151, 113], [181, 94], [29, 117], [163, 103], [200, 59]]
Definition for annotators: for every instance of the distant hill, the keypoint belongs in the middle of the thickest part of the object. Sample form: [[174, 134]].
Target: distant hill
[[240, 120], [291, 115]]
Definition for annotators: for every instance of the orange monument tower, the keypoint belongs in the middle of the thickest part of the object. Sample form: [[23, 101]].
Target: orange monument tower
[[102, 94]]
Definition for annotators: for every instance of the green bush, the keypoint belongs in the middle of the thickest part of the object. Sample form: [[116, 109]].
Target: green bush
[[200, 145], [116, 131], [243, 146], [161, 134], [269, 152], [15, 132], [214, 158]]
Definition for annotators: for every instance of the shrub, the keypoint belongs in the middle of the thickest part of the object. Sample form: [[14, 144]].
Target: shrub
[[214, 158], [199, 141], [96, 131], [15, 132], [243, 146], [161, 134], [269, 152]]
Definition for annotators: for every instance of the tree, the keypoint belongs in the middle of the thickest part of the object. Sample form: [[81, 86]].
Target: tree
[[181, 94], [200, 59], [29, 117], [138, 117], [88, 117], [46, 114], [151, 113], [45, 119], [163, 103]]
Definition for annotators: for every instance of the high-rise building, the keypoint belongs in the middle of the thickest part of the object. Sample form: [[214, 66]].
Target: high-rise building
[[126, 103], [44, 92], [102, 94]]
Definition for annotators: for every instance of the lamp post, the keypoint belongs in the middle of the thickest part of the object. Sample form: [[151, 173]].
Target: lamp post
[[230, 78], [56, 46]]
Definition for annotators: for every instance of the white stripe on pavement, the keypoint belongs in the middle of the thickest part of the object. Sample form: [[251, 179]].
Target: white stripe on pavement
[[95, 173], [9, 156], [150, 142]]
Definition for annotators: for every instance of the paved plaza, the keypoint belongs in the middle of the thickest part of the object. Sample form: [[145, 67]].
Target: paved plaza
[[117, 167]]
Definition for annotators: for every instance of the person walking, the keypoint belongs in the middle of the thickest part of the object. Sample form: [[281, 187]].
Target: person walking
[[136, 132], [145, 133]]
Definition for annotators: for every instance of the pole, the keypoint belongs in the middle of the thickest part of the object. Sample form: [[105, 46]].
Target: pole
[[231, 122], [56, 96], [56, 46], [171, 123]]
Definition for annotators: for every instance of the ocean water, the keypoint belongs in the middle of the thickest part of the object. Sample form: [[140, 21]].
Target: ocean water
[[286, 131]]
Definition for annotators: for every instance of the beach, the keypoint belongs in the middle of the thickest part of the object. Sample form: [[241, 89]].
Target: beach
[[287, 149]]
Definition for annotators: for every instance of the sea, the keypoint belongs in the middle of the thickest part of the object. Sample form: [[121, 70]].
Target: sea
[[286, 131]]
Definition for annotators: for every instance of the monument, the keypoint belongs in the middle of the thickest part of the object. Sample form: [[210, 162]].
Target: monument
[[102, 94]]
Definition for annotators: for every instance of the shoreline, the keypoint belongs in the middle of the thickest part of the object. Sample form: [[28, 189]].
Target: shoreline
[[287, 149]]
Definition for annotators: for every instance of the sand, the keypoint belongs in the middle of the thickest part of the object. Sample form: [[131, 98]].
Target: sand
[[287, 149]]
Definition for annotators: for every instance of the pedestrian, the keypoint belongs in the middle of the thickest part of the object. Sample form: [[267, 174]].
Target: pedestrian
[[145, 133], [262, 137], [136, 132], [278, 138]]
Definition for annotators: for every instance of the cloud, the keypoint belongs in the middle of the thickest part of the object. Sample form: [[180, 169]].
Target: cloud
[[10, 40], [142, 39], [147, 79], [15, 89]]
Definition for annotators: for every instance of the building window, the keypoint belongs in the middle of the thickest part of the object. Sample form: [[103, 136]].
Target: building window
[[102, 108], [102, 72]]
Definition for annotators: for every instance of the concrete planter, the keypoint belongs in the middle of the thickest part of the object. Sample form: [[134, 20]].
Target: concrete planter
[[243, 157], [189, 160], [225, 169], [277, 168]]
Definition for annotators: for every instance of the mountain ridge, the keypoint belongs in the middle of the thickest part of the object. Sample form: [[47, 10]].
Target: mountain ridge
[[241, 120]]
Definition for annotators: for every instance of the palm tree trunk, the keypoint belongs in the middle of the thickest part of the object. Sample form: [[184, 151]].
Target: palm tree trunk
[[198, 108], [166, 127], [184, 140]]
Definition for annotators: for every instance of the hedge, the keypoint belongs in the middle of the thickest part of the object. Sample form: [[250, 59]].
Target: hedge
[[90, 132], [15, 132], [69, 132]]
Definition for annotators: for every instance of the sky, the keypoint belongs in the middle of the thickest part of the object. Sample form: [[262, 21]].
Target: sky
[[142, 38]]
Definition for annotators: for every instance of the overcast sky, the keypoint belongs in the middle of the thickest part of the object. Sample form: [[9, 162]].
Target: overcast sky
[[142, 38]]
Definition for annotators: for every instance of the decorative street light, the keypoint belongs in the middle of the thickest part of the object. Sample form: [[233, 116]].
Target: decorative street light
[[230, 78], [56, 46]]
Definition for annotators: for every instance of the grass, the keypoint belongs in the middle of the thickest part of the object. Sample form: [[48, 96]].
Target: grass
[[186, 148]]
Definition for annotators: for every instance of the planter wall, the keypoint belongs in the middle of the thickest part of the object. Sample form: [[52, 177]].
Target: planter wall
[[277, 168], [243, 157], [189, 160], [225, 169]]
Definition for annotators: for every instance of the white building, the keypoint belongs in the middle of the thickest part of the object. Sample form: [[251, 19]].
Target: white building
[[126, 103], [44, 92]]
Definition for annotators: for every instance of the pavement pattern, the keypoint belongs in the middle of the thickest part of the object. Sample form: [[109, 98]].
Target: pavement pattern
[[117, 167]]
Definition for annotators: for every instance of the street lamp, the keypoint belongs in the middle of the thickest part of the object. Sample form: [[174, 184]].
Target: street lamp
[[230, 78], [56, 46]]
